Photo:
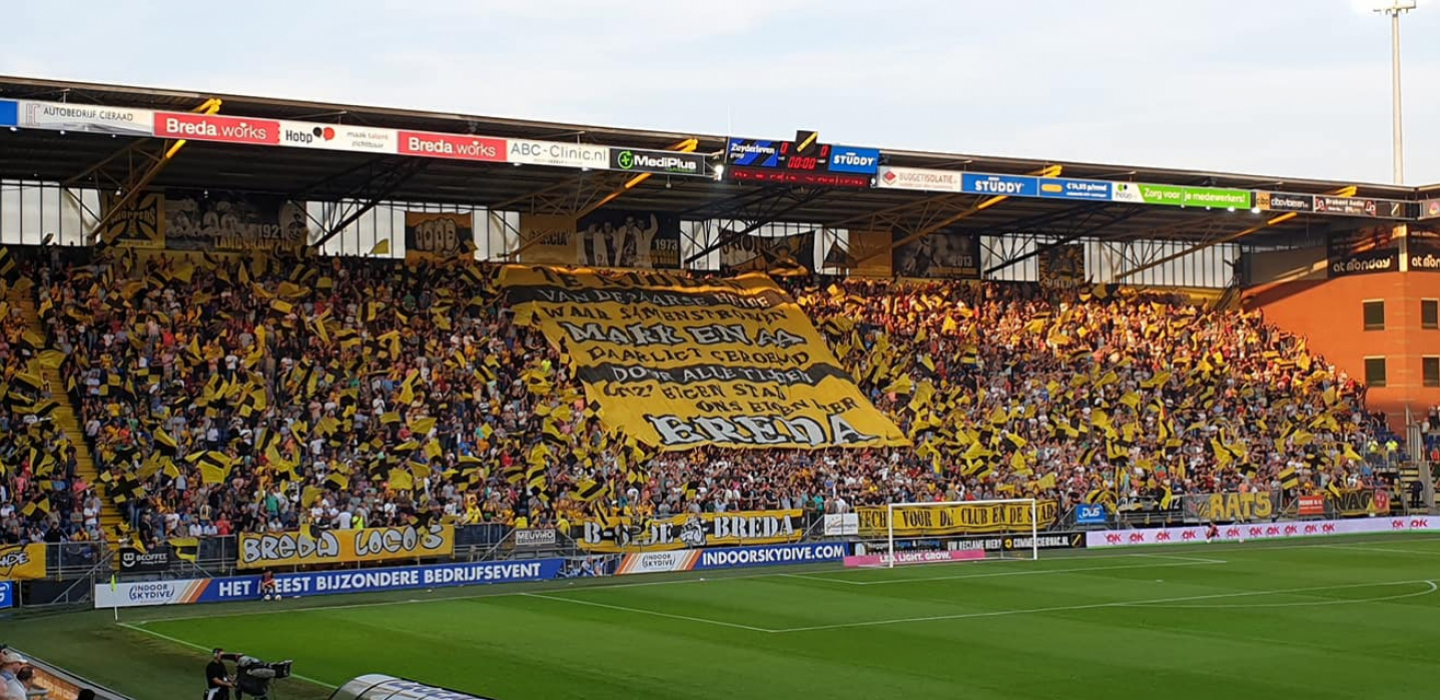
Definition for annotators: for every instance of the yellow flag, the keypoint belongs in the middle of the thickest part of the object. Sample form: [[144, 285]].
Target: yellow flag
[[381, 248]]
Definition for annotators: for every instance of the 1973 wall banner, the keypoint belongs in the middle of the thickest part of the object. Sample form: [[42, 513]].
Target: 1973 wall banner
[[345, 546], [679, 363]]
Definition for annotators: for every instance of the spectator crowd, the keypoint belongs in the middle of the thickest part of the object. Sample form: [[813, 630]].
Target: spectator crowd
[[224, 395]]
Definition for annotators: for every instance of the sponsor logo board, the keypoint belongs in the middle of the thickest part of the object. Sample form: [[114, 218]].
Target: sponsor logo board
[[134, 560], [848, 159], [842, 525], [1429, 209], [1313, 504], [565, 155], [657, 162], [1010, 185], [540, 537], [1282, 201], [1070, 188], [86, 118], [903, 558], [7, 594], [453, 146], [211, 127], [238, 588], [1090, 514], [339, 137], [921, 179], [9, 113], [1260, 531]]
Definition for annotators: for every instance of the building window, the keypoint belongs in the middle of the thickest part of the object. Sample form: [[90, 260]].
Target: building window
[[1375, 371], [1431, 370], [1374, 315], [1429, 313]]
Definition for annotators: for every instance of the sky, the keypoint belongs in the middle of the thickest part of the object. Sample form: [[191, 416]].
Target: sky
[[1291, 88]]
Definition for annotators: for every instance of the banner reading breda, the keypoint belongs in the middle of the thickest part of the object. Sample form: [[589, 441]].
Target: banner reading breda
[[679, 363]]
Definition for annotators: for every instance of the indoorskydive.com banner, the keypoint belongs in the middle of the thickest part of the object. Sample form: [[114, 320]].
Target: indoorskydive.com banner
[[680, 363]]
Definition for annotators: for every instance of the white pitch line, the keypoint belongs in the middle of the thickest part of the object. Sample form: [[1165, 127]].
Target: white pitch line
[[641, 611], [1093, 606], [1037, 572], [1431, 587], [207, 650], [1383, 549]]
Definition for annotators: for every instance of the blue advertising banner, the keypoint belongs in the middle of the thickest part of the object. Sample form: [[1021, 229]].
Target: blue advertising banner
[[238, 588], [1068, 188], [759, 153], [774, 555], [847, 159], [1090, 514], [9, 113], [7, 594], [1012, 185]]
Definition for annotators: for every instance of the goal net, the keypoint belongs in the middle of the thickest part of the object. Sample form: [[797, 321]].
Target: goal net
[[924, 533]]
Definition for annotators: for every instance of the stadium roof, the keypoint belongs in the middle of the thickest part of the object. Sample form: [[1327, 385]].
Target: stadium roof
[[105, 161]]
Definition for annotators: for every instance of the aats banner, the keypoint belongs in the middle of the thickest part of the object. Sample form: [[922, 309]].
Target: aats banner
[[678, 363], [957, 519], [627, 534], [781, 255], [1063, 266], [940, 255], [439, 237], [139, 224], [232, 222], [22, 561], [1365, 249], [870, 254], [1230, 507], [547, 239], [629, 239], [345, 546]]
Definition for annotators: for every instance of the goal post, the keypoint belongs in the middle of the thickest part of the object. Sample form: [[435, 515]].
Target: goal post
[[937, 521]]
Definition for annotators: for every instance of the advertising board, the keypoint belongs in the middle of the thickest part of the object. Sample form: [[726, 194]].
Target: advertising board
[[1261, 531], [240, 588]]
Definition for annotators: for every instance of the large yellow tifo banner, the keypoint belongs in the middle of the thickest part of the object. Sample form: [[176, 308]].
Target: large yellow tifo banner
[[626, 534], [345, 546], [22, 561], [957, 519], [679, 363]]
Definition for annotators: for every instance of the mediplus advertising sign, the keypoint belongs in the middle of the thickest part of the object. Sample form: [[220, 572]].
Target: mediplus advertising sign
[[1010, 185], [637, 160], [1070, 188], [848, 159]]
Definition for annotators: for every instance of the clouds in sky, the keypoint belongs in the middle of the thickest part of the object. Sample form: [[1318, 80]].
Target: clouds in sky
[[1295, 88]]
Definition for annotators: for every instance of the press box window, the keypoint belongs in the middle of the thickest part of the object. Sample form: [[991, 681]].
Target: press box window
[[1429, 313], [1375, 371], [1430, 367], [1374, 315]]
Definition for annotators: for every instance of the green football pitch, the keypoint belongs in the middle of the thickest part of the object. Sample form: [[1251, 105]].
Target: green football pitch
[[1334, 618]]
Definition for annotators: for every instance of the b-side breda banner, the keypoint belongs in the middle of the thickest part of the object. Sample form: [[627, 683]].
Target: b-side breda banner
[[679, 363]]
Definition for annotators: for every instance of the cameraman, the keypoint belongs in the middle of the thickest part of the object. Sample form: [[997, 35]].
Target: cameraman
[[217, 680]]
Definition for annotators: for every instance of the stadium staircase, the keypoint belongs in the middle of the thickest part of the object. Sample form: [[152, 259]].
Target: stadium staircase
[[65, 416]]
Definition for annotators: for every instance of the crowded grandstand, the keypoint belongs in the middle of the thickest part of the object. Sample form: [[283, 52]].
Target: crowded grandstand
[[412, 358]]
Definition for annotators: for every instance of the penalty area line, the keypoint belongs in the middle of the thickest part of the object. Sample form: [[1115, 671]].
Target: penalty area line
[[199, 647], [641, 611], [1098, 606]]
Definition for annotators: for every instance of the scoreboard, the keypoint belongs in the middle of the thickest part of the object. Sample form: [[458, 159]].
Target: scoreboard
[[802, 162]]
